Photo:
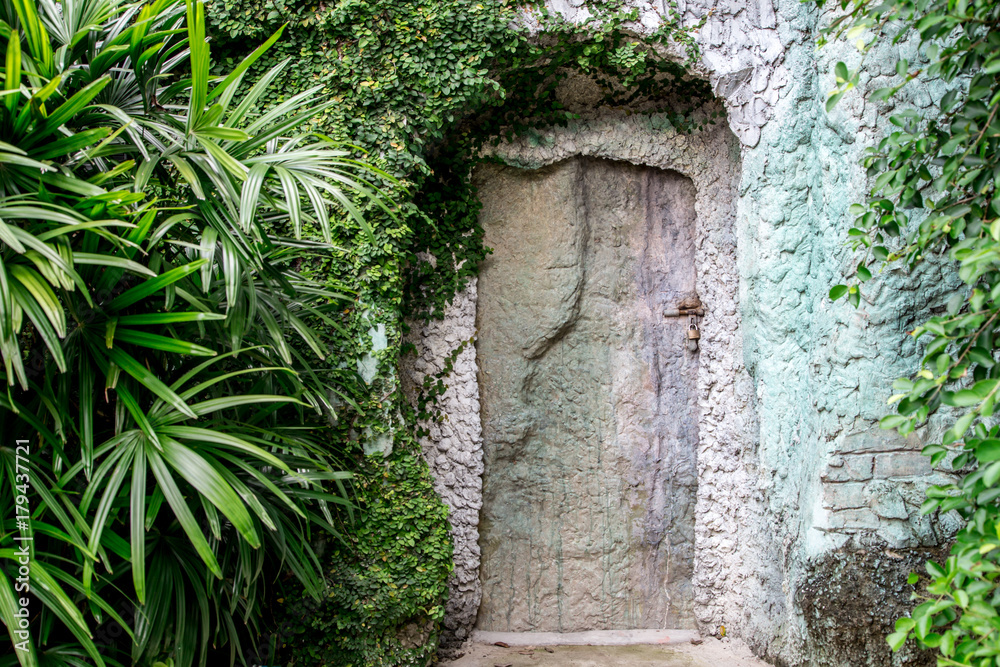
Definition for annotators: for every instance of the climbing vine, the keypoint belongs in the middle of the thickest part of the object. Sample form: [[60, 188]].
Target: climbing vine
[[935, 181]]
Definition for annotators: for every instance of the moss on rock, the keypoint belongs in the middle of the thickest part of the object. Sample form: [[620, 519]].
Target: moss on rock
[[850, 601]]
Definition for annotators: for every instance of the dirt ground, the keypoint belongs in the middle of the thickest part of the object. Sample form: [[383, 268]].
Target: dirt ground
[[710, 653]]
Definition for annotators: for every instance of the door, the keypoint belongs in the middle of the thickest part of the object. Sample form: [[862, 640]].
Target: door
[[588, 398]]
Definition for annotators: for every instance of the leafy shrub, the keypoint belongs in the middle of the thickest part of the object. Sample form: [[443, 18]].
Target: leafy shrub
[[389, 579], [162, 355], [936, 181]]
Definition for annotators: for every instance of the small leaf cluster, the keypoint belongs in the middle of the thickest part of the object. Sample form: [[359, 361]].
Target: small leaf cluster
[[957, 610]]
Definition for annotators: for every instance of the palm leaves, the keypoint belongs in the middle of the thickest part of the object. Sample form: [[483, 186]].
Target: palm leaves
[[154, 350]]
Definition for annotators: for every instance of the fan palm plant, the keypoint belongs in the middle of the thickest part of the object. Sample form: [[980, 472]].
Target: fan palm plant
[[159, 352]]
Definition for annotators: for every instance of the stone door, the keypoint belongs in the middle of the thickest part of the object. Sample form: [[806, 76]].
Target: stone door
[[589, 410]]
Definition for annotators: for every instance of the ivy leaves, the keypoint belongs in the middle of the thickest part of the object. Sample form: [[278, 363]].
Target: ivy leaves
[[846, 80]]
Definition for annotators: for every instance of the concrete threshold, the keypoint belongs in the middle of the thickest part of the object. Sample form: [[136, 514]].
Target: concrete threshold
[[589, 638]]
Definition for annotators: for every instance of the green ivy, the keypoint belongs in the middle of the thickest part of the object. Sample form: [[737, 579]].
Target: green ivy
[[388, 577], [936, 177]]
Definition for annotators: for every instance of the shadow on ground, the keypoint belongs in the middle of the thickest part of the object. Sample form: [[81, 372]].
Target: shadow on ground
[[711, 653]]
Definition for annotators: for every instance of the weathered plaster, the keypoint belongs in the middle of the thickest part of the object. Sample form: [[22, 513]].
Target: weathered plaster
[[588, 397]]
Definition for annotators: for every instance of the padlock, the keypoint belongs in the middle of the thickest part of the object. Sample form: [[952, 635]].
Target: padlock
[[693, 334]]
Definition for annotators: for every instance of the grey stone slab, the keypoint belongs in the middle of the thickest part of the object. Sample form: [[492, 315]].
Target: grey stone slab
[[902, 464], [591, 638]]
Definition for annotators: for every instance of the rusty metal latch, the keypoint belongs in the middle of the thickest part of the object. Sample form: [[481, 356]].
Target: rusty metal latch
[[690, 307], [677, 312]]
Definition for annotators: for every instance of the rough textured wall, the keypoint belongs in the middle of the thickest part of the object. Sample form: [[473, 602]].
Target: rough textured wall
[[852, 599], [821, 371], [588, 398], [795, 478], [453, 447]]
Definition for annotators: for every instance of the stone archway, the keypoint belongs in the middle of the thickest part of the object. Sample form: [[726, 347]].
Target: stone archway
[[726, 415]]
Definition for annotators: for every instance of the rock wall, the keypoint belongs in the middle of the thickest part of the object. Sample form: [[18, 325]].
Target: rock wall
[[453, 446], [796, 484]]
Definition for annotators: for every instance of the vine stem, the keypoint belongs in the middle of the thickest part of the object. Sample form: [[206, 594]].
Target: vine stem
[[979, 138], [968, 348]]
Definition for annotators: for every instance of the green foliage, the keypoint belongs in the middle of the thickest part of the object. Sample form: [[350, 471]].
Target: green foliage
[[422, 86], [165, 491], [936, 180], [389, 578]]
